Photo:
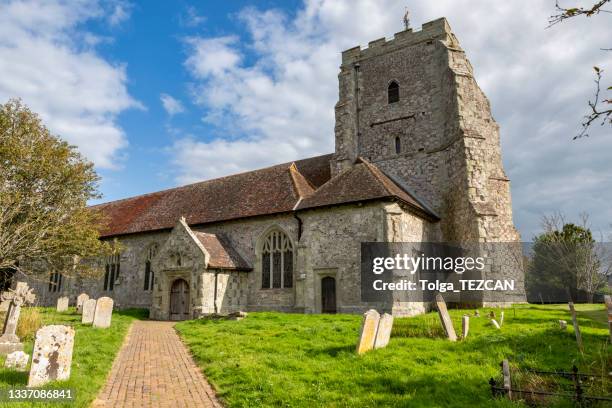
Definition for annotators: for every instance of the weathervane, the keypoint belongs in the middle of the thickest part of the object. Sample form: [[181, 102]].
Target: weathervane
[[406, 19]]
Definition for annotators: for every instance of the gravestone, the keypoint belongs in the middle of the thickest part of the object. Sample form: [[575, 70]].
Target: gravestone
[[52, 355], [62, 303], [89, 308], [562, 324], [476, 313], [17, 360], [575, 323], [103, 313], [447, 323], [80, 300], [367, 335], [17, 297], [383, 334], [465, 326]]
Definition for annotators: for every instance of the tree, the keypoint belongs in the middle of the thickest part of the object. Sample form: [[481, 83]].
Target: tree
[[567, 261], [600, 107], [45, 225]]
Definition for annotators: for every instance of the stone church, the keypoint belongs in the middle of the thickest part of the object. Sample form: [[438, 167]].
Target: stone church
[[417, 158]]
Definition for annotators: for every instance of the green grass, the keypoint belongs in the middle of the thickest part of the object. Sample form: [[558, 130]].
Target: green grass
[[93, 355], [289, 360]]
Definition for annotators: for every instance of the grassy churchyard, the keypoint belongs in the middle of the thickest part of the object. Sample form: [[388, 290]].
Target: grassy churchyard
[[93, 353], [290, 360]]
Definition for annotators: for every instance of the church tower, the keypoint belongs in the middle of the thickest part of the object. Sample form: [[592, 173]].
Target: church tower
[[411, 105]]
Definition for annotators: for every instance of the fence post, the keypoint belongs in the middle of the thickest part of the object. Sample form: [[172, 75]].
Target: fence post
[[576, 327], [507, 382], [577, 387]]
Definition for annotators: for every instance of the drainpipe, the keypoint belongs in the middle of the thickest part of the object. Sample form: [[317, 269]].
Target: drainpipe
[[215, 294]]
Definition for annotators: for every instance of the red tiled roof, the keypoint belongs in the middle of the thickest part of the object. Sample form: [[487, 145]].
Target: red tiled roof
[[361, 182], [266, 191], [222, 254], [298, 185]]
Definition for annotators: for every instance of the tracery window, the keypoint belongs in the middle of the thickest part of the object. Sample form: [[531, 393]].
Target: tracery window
[[111, 272], [277, 261]]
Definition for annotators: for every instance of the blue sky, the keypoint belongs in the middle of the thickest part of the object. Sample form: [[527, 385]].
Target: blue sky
[[162, 93]]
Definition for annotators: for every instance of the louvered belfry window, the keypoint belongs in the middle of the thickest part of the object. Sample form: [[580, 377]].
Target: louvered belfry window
[[277, 261]]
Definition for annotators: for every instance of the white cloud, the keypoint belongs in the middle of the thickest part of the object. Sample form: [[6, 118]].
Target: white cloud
[[46, 59], [171, 105], [191, 18], [121, 11], [273, 92]]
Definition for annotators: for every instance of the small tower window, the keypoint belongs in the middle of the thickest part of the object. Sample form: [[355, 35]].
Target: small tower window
[[393, 92], [398, 145]]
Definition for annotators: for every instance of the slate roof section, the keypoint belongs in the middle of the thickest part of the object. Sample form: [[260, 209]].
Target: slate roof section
[[222, 254], [362, 182], [300, 185], [260, 192]]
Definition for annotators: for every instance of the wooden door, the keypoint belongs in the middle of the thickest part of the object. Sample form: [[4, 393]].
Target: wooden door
[[328, 295], [179, 300]]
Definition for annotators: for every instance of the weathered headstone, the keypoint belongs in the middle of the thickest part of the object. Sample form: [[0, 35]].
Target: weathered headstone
[[80, 300], [62, 303], [104, 312], [476, 313], [447, 323], [21, 295], [383, 334], [465, 326], [367, 335], [52, 355], [89, 309], [492, 314], [17, 360], [562, 324], [575, 323], [507, 380], [494, 323]]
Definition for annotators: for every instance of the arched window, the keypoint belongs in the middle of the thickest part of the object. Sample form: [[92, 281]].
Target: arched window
[[276, 261], [393, 92], [149, 278], [55, 282], [111, 271], [398, 145]]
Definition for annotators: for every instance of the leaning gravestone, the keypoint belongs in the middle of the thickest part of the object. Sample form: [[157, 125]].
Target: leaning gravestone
[[465, 326], [89, 308], [52, 355], [80, 300], [22, 294], [104, 312], [17, 360], [369, 326], [447, 323], [383, 333], [62, 303]]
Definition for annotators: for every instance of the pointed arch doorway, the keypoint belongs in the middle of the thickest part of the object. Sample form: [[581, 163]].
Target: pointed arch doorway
[[179, 300]]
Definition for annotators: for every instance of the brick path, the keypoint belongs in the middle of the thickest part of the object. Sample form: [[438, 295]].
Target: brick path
[[154, 369]]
